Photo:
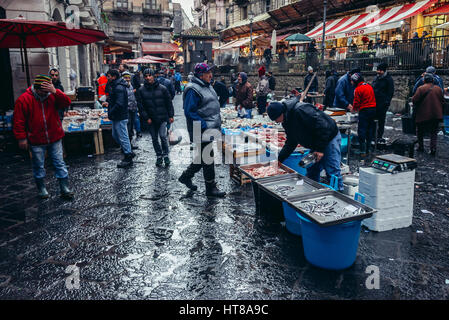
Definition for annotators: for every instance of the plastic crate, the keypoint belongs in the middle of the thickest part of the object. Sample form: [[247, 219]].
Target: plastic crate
[[293, 162]]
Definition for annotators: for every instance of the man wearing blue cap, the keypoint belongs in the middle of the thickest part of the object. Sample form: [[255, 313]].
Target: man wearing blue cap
[[306, 125], [344, 91], [202, 108], [436, 79]]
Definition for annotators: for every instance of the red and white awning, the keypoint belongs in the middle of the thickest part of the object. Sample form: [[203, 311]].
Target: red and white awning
[[369, 22]]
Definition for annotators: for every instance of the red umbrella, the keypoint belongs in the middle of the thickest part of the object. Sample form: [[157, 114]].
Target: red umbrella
[[23, 34]]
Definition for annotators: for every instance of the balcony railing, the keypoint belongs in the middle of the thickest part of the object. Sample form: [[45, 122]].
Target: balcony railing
[[398, 55]]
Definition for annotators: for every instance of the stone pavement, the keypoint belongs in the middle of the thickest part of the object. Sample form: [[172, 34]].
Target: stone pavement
[[139, 234]]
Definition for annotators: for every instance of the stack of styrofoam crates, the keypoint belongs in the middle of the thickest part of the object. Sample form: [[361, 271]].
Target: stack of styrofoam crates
[[391, 195]]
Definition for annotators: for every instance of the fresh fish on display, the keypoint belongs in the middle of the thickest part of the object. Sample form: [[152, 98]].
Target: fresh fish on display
[[328, 208], [284, 190]]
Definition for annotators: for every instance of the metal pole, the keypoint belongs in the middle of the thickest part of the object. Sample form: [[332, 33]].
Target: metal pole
[[251, 42], [324, 32]]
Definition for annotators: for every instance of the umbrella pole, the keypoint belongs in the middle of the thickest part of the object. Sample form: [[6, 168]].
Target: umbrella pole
[[26, 64], [21, 56]]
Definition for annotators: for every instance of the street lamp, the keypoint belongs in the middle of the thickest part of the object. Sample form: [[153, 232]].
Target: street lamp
[[324, 32], [251, 18]]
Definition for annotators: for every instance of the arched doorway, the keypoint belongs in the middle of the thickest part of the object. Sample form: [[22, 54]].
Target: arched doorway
[[6, 89]]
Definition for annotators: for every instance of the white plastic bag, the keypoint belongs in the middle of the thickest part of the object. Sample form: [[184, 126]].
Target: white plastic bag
[[173, 137]]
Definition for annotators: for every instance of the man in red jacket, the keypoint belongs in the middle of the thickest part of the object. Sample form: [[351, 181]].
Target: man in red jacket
[[365, 104], [37, 125]]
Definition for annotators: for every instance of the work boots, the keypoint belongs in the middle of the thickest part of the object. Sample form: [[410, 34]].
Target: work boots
[[42, 191], [65, 191], [184, 179], [126, 162], [212, 190], [167, 161]]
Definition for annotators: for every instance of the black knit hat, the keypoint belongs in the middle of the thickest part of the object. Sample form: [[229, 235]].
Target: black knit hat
[[275, 109], [382, 67]]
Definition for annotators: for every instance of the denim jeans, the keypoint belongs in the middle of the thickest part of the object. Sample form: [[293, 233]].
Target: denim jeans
[[366, 129], [131, 123], [137, 123], [56, 155], [159, 130], [330, 162], [120, 135]]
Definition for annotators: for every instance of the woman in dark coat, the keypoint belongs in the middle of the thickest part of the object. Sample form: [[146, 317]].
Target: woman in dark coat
[[428, 101]]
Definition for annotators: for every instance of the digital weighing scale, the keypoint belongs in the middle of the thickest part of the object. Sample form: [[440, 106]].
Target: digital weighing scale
[[394, 163]]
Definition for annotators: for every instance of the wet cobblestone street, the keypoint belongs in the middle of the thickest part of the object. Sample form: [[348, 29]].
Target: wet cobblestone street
[[139, 234]]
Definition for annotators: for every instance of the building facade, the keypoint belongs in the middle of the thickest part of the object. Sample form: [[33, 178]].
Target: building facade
[[211, 15], [133, 22], [84, 60], [180, 21]]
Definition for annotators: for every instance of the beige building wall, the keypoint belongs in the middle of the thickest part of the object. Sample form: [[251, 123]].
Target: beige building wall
[[41, 60]]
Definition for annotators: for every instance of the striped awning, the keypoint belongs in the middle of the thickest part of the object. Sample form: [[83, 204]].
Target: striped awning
[[367, 23], [443, 10], [237, 43]]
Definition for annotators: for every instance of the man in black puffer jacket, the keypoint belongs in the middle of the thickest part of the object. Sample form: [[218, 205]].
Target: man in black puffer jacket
[[117, 104], [383, 86], [156, 108], [306, 125]]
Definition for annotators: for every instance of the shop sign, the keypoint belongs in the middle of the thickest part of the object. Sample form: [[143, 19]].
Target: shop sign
[[355, 33], [329, 37]]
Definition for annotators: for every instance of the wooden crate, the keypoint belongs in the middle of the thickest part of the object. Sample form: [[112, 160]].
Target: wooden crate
[[238, 155], [237, 176]]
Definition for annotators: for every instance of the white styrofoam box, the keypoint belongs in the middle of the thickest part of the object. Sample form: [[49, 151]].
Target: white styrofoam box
[[378, 190], [386, 202], [380, 178], [391, 213], [389, 193], [387, 224]]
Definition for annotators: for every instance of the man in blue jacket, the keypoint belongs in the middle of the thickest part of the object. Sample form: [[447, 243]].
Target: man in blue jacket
[[202, 108], [166, 83], [117, 104], [344, 92], [178, 80], [436, 79]]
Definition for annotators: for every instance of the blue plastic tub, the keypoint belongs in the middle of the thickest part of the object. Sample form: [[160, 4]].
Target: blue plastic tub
[[292, 222], [344, 143], [334, 247], [293, 162]]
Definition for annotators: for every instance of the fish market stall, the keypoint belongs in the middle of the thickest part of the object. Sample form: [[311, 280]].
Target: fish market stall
[[328, 221], [262, 171], [86, 120]]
